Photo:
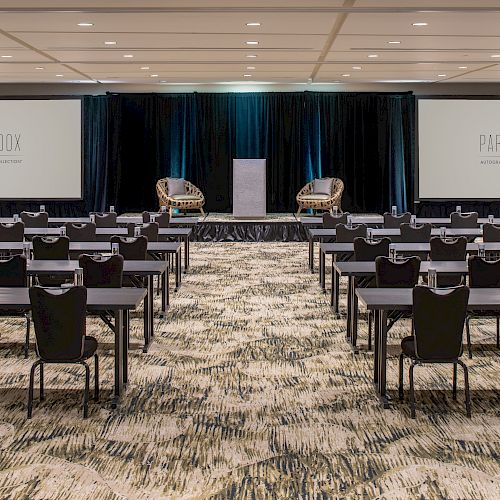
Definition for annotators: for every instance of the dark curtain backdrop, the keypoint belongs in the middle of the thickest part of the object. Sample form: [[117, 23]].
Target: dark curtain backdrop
[[131, 140]]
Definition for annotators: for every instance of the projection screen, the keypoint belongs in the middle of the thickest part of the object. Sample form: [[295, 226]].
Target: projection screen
[[458, 149], [40, 149]]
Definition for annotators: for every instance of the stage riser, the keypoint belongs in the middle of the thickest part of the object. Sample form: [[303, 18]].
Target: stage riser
[[249, 231]]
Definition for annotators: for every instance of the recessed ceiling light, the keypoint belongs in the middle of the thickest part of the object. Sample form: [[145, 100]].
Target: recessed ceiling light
[[250, 67], [128, 55], [346, 74], [372, 55], [154, 76], [253, 24], [59, 75], [252, 42], [356, 67], [462, 67], [6, 57], [144, 67], [39, 67], [442, 74], [394, 42], [251, 56], [420, 24], [163, 81], [85, 24], [494, 55], [247, 75], [110, 43]]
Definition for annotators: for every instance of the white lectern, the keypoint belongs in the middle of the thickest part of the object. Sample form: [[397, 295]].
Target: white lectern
[[249, 188]]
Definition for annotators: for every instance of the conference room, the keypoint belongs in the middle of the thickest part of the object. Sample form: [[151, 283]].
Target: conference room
[[249, 249]]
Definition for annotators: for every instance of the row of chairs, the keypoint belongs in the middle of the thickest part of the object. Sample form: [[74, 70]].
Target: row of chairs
[[79, 232], [102, 219]]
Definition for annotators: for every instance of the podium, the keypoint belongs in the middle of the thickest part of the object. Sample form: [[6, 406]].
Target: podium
[[249, 188]]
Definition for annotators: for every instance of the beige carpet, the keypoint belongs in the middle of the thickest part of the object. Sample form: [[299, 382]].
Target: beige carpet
[[250, 391]]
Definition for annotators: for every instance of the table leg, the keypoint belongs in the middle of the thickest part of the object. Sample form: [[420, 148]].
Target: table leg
[[311, 254], [322, 268], [376, 322], [118, 389], [151, 307], [126, 334], [186, 254], [354, 315], [349, 308], [177, 269], [146, 318], [165, 292], [382, 363]]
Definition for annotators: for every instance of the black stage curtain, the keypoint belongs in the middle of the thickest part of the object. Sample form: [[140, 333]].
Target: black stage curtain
[[131, 140]]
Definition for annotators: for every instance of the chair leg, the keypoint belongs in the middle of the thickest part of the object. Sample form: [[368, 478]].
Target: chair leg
[[298, 213], [42, 395], [467, 390], [498, 332], [86, 392], [412, 391], [202, 212], [30, 390], [27, 340], [467, 331], [454, 381], [370, 324], [96, 377], [400, 388]]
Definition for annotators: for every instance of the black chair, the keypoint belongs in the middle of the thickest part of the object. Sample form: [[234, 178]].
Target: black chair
[[330, 221], [420, 233], [105, 219], [59, 319], [50, 248], [491, 233], [346, 234], [436, 341], [483, 274], [13, 274], [102, 272], [449, 249], [131, 248], [81, 232], [464, 220], [162, 218], [369, 250], [35, 219], [149, 229], [12, 232], [394, 221]]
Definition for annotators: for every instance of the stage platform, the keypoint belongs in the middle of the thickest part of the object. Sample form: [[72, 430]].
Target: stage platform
[[274, 227]]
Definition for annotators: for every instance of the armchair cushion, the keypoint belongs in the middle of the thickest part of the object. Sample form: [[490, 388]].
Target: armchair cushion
[[315, 197], [175, 186], [323, 186], [185, 197]]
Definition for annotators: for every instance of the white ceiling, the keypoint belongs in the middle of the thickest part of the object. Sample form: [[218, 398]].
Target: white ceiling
[[189, 41]]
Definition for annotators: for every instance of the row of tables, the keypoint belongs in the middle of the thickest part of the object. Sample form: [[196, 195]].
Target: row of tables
[[383, 300]]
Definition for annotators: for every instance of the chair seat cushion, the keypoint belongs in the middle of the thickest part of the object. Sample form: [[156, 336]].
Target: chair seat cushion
[[315, 197], [89, 347], [185, 197], [408, 346], [175, 186], [322, 186]]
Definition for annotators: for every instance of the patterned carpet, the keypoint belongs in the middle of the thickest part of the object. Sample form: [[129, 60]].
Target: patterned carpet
[[250, 391]]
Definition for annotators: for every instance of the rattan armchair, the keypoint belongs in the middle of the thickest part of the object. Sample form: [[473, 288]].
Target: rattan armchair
[[307, 199], [193, 198]]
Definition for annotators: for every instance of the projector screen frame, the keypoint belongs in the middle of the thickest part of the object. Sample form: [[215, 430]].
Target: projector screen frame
[[468, 97], [55, 98]]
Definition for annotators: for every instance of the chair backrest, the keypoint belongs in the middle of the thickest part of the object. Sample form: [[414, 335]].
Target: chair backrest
[[438, 319], [491, 233], [132, 248], [35, 219], [103, 272], [464, 220], [369, 250], [105, 219], [483, 273], [449, 249], [12, 232], [418, 234], [346, 234], [161, 218], [13, 272], [81, 232], [330, 221], [59, 319], [50, 247], [402, 273], [150, 230], [394, 221]]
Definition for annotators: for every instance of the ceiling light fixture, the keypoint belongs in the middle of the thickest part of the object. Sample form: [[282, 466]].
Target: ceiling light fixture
[[110, 43], [442, 75], [250, 67], [420, 24], [253, 24], [128, 55], [346, 74], [39, 67], [85, 25], [59, 75], [247, 75], [372, 56], [462, 67], [394, 42], [252, 42], [6, 57], [356, 67], [495, 55], [251, 56], [144, 67], [154, 76]]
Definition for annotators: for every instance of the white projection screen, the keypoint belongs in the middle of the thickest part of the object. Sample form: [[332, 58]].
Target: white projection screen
[[458, 149], [41, 149]]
